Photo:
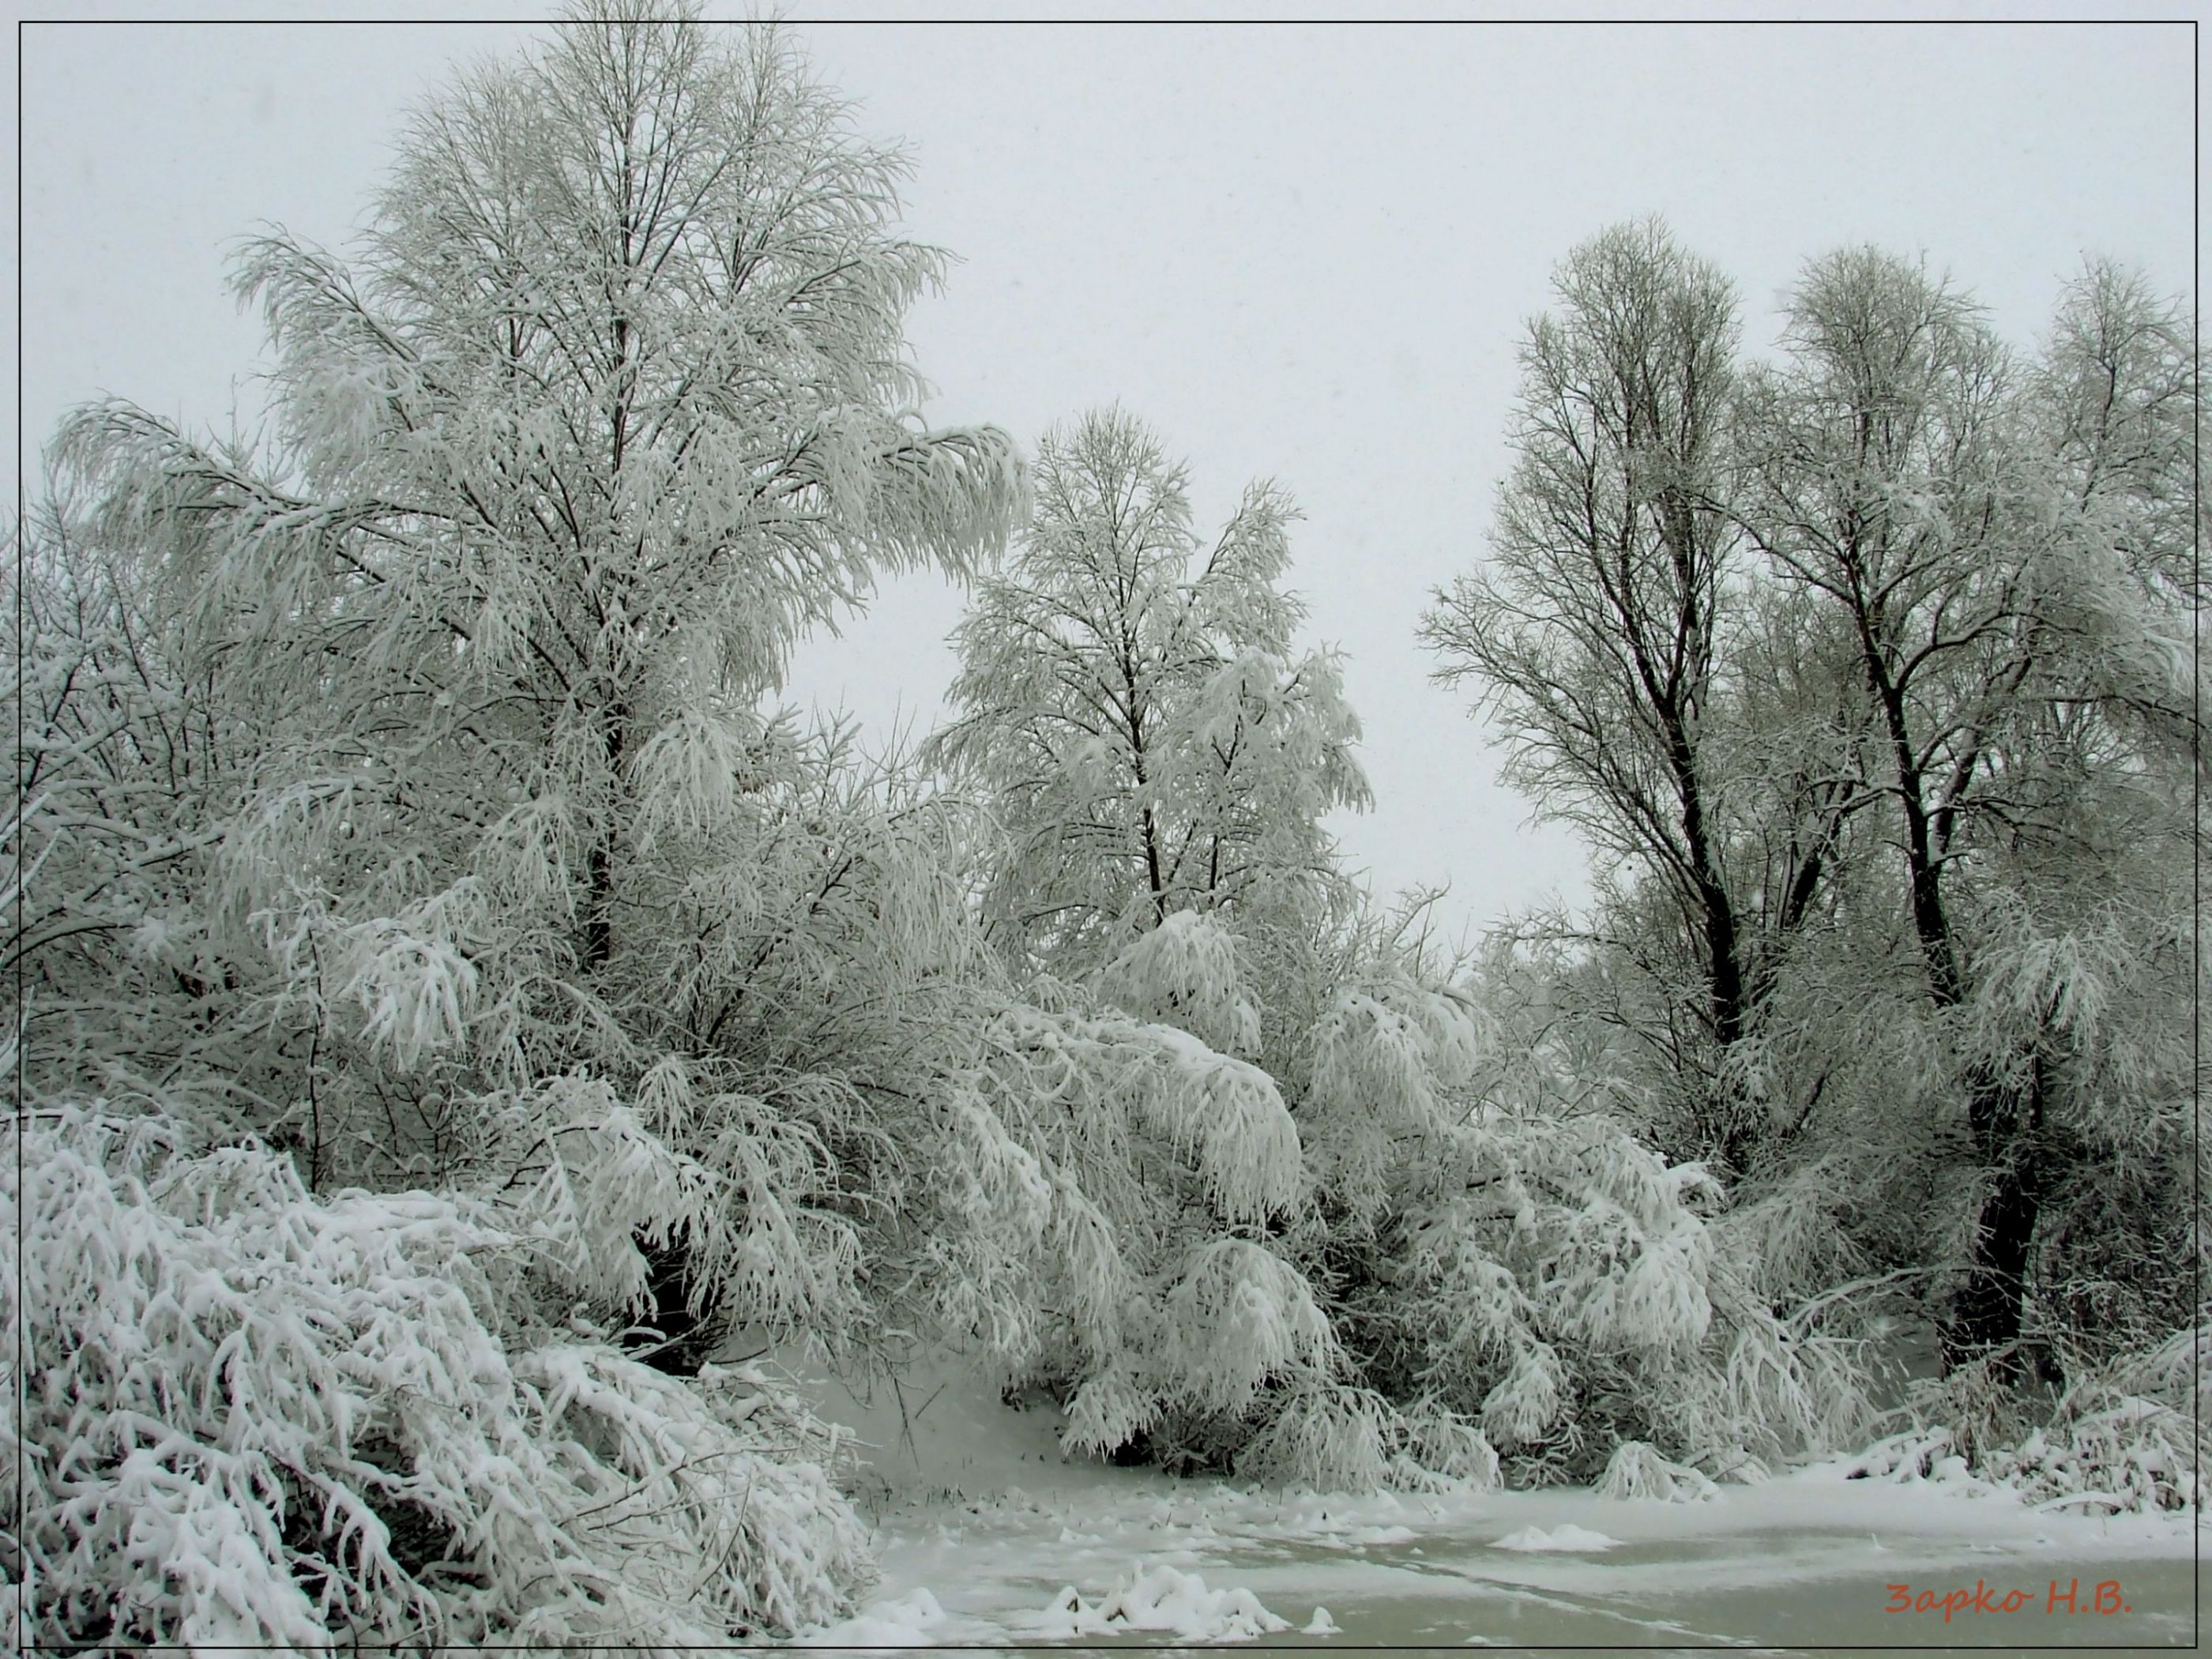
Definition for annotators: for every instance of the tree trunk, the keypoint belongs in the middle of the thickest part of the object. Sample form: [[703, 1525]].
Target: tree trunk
[[686, 1341], [1732, 1136], [2004, 1120], [2007, 1125], [599, 919], [599, 902]]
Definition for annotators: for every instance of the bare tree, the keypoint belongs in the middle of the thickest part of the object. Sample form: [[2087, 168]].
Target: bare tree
[[1592, 632]]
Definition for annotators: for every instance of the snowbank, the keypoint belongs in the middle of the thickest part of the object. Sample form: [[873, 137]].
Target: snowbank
[[1566, 1536], [1156, 1598]]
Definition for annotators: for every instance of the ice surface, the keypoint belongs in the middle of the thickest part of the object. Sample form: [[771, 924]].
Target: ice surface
[[1013, 1542]]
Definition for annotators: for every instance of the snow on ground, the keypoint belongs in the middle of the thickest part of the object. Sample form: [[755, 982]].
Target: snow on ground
[[989, 1534], [1155, 1598], [1565, 1536]]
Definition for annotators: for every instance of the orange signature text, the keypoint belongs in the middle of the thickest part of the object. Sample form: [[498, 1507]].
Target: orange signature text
[[2105, 1597]]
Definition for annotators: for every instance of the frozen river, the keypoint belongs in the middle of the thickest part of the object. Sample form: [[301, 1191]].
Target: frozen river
[[1799, 1562], [988, 1535]]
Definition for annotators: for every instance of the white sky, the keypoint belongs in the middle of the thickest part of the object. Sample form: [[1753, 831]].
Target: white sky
[[1298, 251]]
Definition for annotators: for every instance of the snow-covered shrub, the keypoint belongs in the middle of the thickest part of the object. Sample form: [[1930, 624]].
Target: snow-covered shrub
[[1910, 1455], [1388, 1041], [2128, 1456], [1332, 1436], [255, 1416], [1439, 1443], [1115, 1083], [1344, 1437], [1371, 1059], [713, 1497], [1108, 1410], [1635, 1470], [1555, 1280], [1238, 1317], [1148, 1313], [2125, 1437], [2121, 1438]]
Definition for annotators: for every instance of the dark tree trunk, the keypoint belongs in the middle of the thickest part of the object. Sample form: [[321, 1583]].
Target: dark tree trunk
[[599, 917], [1732, 1135], [2007, 1124], [686, 1341], [599, 904], [2005, 1119]]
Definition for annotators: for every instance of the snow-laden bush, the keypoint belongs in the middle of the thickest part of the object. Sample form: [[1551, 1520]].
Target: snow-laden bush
[[1385, 1047], [1154, 1151], [2122, 1438], [255, 1416], [1635, 1470], [1238, 1315], [1344, 1438], [1334, 1437], [2125, 1437], [1910, 1455], [1204, 1340], [2127, 1455], [1114, 1082], [1562, 1285]]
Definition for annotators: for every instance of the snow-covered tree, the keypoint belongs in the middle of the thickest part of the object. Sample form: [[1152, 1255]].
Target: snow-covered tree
[[1942, 743], [1593, 634], [1994, 546], [609, 404], [1133, 710], [2117, 396], [410, 807], [1134, 703]]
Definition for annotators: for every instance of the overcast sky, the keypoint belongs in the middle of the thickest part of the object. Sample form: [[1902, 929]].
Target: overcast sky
[[1298, 251]]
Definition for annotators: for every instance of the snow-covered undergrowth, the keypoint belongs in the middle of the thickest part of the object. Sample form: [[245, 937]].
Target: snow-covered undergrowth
[[2123, 1439], [1157, 1598], [2128, 1437], [1553, 1281], [1636, 1471], [256, 1416]]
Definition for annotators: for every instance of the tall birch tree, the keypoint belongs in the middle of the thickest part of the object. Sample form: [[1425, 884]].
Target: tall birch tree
[[608, 403]]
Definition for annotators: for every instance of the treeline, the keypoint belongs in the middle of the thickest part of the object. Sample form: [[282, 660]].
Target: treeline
[[457, 1005], [1870, 672]]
